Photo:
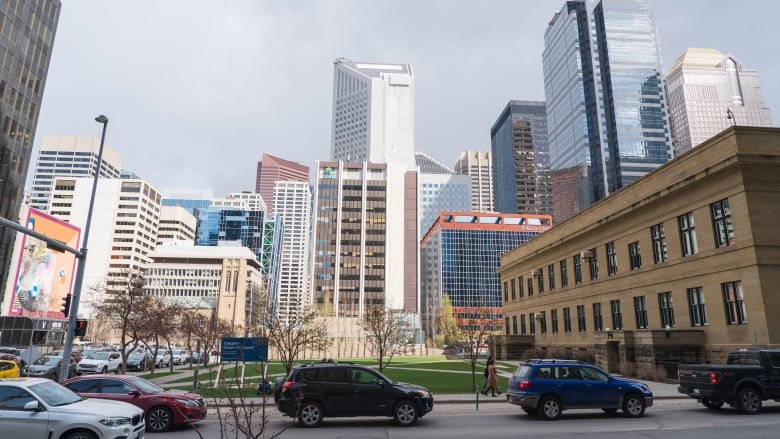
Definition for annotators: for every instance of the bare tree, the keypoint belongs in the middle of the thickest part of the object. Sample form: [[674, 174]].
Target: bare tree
[[388, 334], [209, 330], [302, 332], [160, 325], [188, 319], [471, 332]]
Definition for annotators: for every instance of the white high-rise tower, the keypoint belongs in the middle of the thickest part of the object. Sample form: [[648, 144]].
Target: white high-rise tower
[[373, 113]]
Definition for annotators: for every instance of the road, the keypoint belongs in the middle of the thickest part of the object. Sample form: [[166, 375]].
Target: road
[[666, 419]]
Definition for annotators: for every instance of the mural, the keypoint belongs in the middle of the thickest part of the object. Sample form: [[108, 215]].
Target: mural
[[44, 276]]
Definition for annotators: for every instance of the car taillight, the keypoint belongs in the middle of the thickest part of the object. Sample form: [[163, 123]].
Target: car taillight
[[524, 385], [286, 385], [714, 377]]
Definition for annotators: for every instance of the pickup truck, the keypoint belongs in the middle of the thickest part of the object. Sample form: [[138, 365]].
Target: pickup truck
[[749, 377]]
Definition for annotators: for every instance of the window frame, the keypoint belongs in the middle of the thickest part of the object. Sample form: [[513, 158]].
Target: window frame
[[617, 314], [687, 225], [582, 324], [567, 319], [722, 226], [551, 276], [697, 306], [736, 314], [640, 312], [634, 255], [564, 274], [666, 309], [577, 262], [598, 317], [593, 265], [658, 236], [612, 263]]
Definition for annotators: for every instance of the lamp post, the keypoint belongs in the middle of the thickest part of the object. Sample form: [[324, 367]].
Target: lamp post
[[730, 116], [79, 279]]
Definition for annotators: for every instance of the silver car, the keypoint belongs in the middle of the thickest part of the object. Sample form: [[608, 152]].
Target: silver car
[[38, 407]]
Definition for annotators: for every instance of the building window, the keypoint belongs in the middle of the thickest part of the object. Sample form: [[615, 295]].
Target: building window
[[581, 326], [531, 324], [734, 300], [611, 258], [506, 325], [554, 320], [521, 287], [551, 276], [617, 316], [667, 309], [721, 222], [687, 234], [522, 324], [593, 264], [564, 274], [514, 296], [697, 306], [514, 325], [635, 257], [659, 243], [577, 270], [567, 319], [506, 292], [530, 286], [598, 321], [640, 308], [543, 322], [540, 281]]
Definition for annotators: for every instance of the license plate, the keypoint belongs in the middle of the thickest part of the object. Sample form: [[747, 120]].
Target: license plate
[[695, 391]]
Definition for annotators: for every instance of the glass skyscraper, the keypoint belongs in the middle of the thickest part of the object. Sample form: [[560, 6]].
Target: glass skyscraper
[[27, 32], [606, 113], [521, 159]]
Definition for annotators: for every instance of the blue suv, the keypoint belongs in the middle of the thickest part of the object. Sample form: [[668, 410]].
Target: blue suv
[[548, 387]]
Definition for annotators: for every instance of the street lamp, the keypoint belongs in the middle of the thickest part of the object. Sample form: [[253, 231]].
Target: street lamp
[[730, 116], [79, 279]]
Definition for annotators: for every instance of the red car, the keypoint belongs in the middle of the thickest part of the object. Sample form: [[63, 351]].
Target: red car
[[163, 408]]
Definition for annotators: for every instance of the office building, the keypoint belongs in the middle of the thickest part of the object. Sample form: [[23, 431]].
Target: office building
[[606, 116], [26, 42], [225, 281], [373, 113], [190, 199], [272, 169], [478, 165], [292, 203], [521, 159], [242, 200], [459, 257], [365, 238], [439, 188], [177, 226], [666, 270], [709, 92]]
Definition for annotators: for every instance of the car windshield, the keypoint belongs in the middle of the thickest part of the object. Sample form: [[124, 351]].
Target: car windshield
[[55, 394], [47, 361], [146, 386], [98, 356]]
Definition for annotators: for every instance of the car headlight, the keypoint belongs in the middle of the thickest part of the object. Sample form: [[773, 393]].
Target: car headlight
[[423, 394], [187, 402], [115, 421]]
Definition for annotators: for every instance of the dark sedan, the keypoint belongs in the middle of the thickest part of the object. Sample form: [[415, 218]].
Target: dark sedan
[[163, 408], [48, 366], [139, 361]]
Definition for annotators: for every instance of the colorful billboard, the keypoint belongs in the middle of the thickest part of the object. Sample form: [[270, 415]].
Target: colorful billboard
[[44, 276]]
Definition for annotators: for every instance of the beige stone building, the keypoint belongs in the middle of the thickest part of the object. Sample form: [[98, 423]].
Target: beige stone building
[[681, 265]]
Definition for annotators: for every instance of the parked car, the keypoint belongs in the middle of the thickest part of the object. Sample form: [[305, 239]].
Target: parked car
[[11, 357], [139, 361], [9, 369], [163, 408], [548, 387], [181, 356], [38, 407], [48, 366], [749, 377], [100, 362], [199, 357], [316, 391], [163, 358]]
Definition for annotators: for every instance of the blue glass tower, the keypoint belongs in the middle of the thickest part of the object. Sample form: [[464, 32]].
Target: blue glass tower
[[606, 112]]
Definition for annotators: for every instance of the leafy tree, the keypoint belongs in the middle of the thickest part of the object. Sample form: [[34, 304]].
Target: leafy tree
[[302, 332], [447, 325], [473, 333], [388, 334]]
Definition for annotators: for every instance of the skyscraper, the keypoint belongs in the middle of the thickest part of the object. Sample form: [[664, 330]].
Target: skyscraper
[[521, 159], [272, 169], [373, 113], [24, 64], [479, 166], [708, 92], [69, 156], [439, 188], [605, 100]]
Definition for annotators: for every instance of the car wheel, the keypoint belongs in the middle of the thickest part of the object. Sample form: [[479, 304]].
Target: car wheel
[[532, 412], [633, 406], [104, 370], [53, 377], [405, 413], [550, 408], [310, 415], [81, 434], [748, 401], [610, 411], [159, 419], [142, 367], [712, 404]]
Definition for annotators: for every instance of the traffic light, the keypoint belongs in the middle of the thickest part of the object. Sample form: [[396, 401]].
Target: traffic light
[[81, 328], [66, 304]]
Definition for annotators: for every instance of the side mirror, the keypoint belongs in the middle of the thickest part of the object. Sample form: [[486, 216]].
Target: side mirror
[[32, 406], [134, 393], [381, 382]]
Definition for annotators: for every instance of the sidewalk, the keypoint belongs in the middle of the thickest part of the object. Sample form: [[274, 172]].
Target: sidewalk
[[661, 390]]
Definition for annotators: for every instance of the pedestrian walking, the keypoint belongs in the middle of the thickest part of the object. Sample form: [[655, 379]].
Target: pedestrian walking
[[492, 380], [485, 383]]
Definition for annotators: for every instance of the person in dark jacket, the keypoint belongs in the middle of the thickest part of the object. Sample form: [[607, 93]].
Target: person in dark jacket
[[485, 384]]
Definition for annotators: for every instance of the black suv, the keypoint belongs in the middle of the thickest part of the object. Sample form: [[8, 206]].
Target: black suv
[[315, 391]]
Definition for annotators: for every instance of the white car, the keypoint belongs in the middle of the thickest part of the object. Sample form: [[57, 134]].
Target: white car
[[39, 407], [100, 362], [181, 356], [163, 358]]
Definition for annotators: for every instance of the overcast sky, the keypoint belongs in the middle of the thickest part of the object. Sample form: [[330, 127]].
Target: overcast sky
[[197, 90]]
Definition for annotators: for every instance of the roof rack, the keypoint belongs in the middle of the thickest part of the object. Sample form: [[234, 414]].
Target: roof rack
[[554, 360]]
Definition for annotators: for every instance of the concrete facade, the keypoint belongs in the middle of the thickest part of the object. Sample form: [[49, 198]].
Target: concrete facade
[[702, 286]]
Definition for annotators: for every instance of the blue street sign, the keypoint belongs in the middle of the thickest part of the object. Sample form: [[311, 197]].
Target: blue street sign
[[244, 349]]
